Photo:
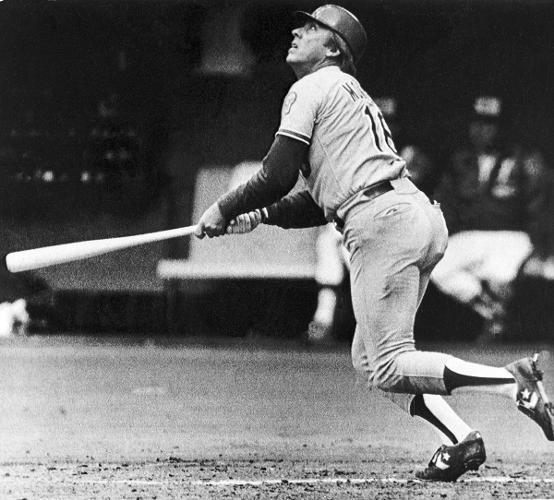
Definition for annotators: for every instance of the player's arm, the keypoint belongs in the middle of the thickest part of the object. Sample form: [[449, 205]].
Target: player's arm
[[296, 210], [274, 180], [281, 165]]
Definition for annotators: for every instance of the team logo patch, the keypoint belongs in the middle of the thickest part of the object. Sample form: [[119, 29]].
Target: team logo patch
[[289, 101]]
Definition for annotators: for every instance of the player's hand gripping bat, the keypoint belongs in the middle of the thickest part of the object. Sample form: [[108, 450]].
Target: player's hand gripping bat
[[245, 223]]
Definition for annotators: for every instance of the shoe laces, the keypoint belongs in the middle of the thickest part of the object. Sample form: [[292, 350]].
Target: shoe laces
[[437, 455]]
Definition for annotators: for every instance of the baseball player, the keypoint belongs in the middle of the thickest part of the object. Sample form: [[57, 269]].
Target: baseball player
[[332, 132]]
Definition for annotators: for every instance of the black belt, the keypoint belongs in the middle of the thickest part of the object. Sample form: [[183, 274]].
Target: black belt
[[376, 190], [370, 193]]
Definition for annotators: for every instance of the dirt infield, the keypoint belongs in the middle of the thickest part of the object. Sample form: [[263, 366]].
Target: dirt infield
[[102, 419], [264, 478]]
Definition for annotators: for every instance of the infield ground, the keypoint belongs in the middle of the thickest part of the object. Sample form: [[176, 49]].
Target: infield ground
[[102, 418]]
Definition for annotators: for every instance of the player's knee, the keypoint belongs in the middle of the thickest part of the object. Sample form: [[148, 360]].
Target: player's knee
[[383, 381], [388, 378], [391, 383]]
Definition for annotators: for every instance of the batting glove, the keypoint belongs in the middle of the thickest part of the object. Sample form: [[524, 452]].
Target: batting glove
[[245, 223]]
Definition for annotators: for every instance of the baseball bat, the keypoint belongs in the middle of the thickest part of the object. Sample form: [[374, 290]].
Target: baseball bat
[[35, 258]]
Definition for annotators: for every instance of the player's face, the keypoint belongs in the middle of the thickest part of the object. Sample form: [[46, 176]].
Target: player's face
[[308, 47]]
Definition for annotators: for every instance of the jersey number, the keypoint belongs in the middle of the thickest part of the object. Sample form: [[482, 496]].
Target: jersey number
[[381, 133]]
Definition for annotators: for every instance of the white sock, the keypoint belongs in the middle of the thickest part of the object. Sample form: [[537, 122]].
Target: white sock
[[434, 410]]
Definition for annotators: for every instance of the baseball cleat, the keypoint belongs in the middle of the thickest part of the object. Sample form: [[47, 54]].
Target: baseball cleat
[[531, 398], [450, 462]]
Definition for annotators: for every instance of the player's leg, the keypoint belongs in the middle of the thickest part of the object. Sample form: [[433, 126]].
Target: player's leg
[[501, 255], [385, 278], [504, 388], [467, 451], [432, 409], [462, 449], [399, 240], [401, 368]]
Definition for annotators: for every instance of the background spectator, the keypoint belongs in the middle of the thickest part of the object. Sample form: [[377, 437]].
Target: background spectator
[[492, 193]]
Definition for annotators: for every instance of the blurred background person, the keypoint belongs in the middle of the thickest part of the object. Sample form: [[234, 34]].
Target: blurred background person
[[330, 277], [26, 300], [492, 193]]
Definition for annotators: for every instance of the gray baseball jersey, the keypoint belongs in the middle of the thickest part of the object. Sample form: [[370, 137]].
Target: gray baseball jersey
[[351, 146]]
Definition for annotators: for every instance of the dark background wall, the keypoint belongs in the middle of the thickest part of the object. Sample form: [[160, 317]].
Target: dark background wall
[[59, 59]]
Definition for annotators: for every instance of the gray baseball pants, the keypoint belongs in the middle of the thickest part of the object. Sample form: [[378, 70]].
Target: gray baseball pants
[[394, 241]]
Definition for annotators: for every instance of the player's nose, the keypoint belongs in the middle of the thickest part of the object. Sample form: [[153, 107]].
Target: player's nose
[[296, 32]]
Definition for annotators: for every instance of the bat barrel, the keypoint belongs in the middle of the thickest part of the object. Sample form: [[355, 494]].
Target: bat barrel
[[36, 258]]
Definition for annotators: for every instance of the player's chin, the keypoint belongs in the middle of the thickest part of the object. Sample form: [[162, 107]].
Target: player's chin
[[293, 62], [291, 57]]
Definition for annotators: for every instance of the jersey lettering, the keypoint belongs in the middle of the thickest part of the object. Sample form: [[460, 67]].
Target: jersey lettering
[[388, 135], [380, 131], [352, 92], [374, 129]]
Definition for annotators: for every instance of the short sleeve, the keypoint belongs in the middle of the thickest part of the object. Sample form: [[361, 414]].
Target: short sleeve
[[299, 112]]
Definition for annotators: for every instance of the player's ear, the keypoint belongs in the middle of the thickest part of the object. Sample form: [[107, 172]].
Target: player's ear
[[332, 47], [333, 51]]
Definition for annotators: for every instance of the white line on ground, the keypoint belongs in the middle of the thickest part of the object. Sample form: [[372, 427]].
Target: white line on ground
[[315, 481]]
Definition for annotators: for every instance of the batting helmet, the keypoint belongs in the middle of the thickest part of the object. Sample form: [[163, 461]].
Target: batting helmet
[[342, 22]]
